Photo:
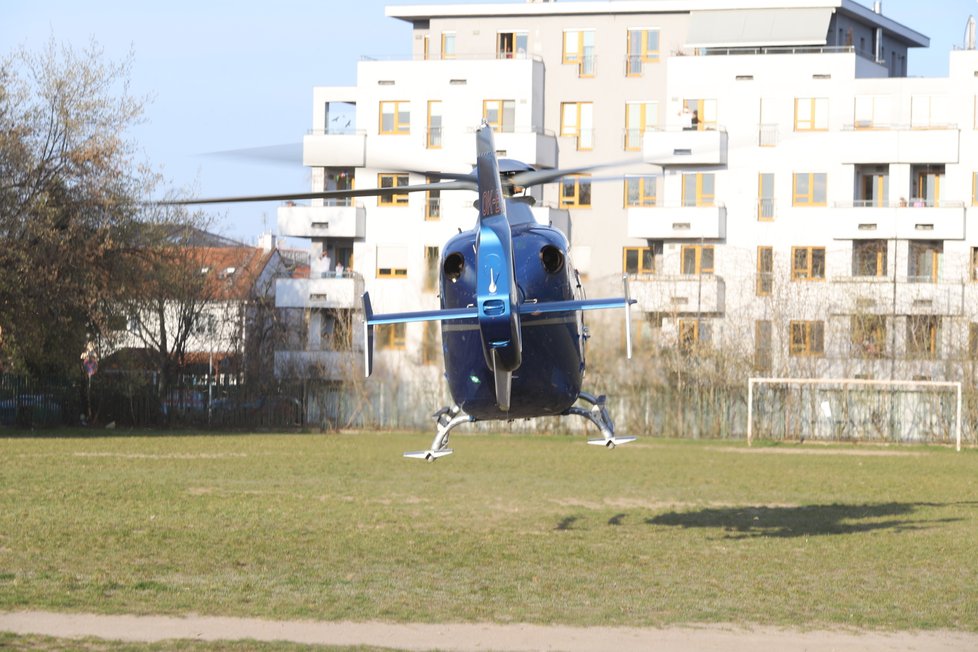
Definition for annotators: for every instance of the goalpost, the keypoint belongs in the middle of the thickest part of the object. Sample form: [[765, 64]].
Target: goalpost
[[850, 407]]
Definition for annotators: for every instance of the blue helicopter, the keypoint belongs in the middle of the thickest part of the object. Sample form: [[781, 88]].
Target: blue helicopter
[[511, 305]]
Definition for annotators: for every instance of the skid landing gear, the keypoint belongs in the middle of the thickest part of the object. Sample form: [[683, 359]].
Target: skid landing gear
[[445, 420], [598, 415]]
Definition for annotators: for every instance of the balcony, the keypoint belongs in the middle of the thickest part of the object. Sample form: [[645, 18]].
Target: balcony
[[685, 147], [679, 295], [322, 221], [332, 149], [328, 292], [321, 365], [910, 220], [678, 222], [881, 296], [870, 144]]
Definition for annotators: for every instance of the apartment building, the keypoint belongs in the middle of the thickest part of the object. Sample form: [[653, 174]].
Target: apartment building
[[777, 182]]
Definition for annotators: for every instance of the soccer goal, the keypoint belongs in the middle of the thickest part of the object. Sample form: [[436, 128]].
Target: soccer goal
[[851, 409]]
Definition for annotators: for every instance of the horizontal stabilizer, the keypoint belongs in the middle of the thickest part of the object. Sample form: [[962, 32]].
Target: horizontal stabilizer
[[565, 306], [424, 315]]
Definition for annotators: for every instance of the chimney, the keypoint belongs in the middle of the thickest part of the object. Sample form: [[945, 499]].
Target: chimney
[[267, 242], [878, 6]]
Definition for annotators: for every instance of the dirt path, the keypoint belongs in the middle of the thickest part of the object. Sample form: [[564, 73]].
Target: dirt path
[[478, 637]]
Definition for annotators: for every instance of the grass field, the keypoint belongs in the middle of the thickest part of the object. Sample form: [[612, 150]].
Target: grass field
[[536, 529]]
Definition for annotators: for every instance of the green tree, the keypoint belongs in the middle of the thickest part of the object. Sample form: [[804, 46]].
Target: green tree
[[68, 202]]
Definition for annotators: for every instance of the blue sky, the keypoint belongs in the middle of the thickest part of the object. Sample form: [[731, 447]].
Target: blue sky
[[226, 75]]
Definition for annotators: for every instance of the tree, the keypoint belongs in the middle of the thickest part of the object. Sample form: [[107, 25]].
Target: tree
[[68, 202]]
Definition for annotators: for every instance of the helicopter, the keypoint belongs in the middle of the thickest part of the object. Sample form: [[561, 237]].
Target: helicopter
[[511, 305]]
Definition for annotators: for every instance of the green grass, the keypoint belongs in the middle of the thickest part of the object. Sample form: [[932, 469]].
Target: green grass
[[16, 643], [537, 529]]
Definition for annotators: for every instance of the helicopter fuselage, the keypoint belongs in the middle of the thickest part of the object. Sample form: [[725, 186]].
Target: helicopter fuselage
[[548, 379]]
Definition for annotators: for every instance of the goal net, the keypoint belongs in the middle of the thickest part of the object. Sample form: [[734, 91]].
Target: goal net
[[848, 409]]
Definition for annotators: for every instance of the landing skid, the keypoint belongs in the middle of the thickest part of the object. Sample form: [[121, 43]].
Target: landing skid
[[448, 418], [598, 415], [445, 420]]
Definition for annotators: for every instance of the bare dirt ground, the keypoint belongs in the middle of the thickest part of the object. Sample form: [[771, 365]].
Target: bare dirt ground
[[480, 637]]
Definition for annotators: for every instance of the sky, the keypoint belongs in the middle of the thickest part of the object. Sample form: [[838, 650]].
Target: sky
[[229, 75]]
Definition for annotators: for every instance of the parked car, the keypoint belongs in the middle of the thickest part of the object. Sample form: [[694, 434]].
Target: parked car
[[28, 410]]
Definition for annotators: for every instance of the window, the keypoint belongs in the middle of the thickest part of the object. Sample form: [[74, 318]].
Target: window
[[431, 260], [638, 260], [643, 47], [511, 45], [974, 263], [390, 336], [702, 113], [693, 333], [640, 191], [926, 188], [698, 189], [577, 119], [579, 49], [765, 271], [336, 330], [395, 118], [391, 262], [765, 197], [872, 185], [809, 189], [872, 112], [640, 117], [973, 340], [762, 345], [433, 138], [575, 192], [430, 345], [500, 114], [869, 258], [392, 180], [927, 112], [432, 204], [924, 261], [867, 335], [811, 114], [923, 336], [426, 47], [697, 259], [806, 338], [448, 45], [808, 263]]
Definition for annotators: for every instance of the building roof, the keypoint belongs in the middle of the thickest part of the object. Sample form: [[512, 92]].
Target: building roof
[[234, 272], [414, 13]]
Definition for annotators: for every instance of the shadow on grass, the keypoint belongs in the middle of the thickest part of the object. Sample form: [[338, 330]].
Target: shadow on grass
[[803, 521]]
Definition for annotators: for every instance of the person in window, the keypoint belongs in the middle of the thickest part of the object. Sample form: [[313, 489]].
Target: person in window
[[695, 122]]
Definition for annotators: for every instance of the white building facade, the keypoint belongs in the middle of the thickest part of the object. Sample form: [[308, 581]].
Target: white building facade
[[779, 184]]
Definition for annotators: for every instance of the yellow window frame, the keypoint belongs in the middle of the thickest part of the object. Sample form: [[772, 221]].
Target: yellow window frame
[[765, 271], [645, 53], [433, 135], [811, 113], [808, 198], [500, 107], [633, 141], [695, 255], [391, 337], [806, 268], [392, 180], [646, 191], [401, 120], [644, 259], [575, 128], [573, 193], [806, 339], [701, 197]]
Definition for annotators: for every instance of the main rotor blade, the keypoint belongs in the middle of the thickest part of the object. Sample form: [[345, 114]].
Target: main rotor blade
[[537, 177], [324, 194]]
